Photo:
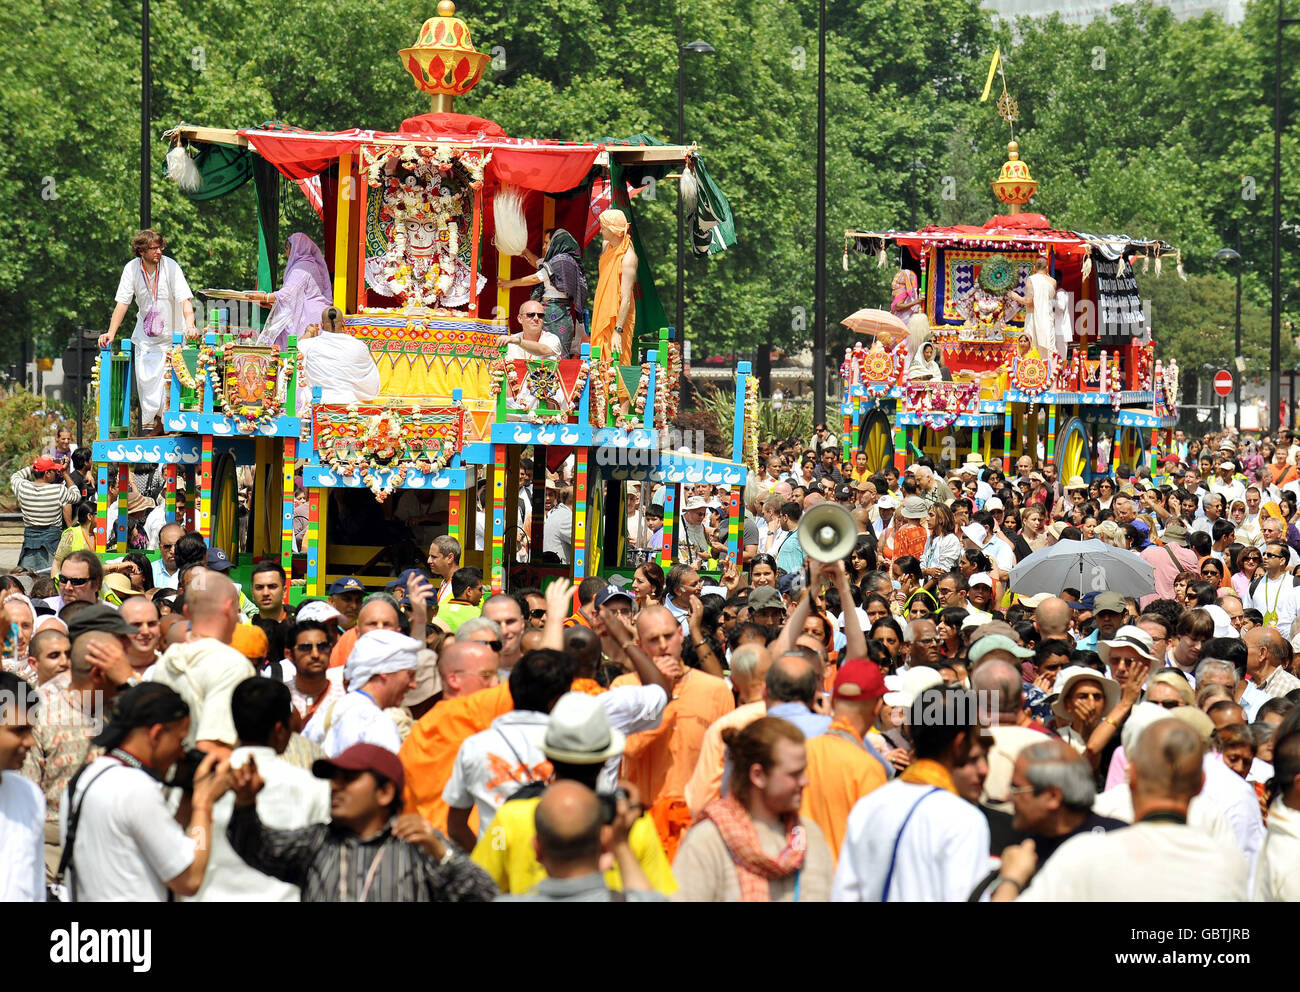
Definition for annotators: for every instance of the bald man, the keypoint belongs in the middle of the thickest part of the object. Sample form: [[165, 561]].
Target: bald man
[[466, 667], [660, 762], [204, 669], [749, 666], [570, 842], [1052, 618], [378, 613], [1158, 859]]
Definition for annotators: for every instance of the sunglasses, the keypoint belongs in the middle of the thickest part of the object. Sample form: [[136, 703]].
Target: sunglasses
[[537, 614], [1170, 704], [494, 645], [321, 646], [73, 582], [538, 315]]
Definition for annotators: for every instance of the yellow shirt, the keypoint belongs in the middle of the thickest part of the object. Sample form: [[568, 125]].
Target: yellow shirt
[[506, 851]]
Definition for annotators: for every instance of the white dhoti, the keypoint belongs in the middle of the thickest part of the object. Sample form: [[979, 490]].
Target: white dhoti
[[1043, 289], [150, 361]]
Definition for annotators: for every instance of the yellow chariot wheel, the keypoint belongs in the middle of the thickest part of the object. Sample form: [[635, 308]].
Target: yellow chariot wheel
[[225, 505], [878, 440], [1074, 451], [1132, 448]]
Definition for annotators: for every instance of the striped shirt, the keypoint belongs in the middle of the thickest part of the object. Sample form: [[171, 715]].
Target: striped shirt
[[41, 503], [381, 869]]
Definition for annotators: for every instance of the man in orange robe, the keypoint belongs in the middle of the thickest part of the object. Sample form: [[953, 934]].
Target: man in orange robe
[[613, 312]]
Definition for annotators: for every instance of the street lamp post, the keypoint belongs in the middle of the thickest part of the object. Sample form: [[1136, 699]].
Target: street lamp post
[[819, 239], [146, 84], [694, 48], [1228, 255], [1275, 330]]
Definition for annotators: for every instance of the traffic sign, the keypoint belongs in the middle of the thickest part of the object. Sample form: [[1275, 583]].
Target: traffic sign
[[1223, 382]]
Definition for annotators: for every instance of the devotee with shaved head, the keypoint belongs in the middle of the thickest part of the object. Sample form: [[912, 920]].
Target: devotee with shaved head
[[204, 669]]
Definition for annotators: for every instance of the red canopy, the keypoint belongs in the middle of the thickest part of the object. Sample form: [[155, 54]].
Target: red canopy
[[547, 166]]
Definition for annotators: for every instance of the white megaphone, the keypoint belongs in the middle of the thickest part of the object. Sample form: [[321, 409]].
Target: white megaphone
[[827, 532]]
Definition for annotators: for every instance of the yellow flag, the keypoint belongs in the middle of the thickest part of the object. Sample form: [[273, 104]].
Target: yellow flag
[[993, 67]]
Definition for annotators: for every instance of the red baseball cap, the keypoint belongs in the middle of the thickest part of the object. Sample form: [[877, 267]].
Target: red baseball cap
[[364, 758], [44, 464], [859, 678]]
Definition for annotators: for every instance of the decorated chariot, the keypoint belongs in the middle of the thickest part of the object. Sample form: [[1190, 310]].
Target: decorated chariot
[[421, 226]]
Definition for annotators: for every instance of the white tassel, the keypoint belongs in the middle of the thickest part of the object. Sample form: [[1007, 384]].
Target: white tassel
[[1181, 274], [182, 170], [882, 258], [688, 188], [1146, 262], [511, 225], [1086, 268], [1158, 266], [844, 259], [1120, 266]]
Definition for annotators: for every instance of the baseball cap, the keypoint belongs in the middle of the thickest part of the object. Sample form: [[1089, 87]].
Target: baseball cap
[[610, 592], [996, 642], [976, 534], [859, 678], [101, 616], [843, 491], [217, 560], [906, 686], [578, 731], [140, 706], [980, 579], [363, 758], [1033, 601], [318, 610], [1108, 602], [764, 598], [348, 583], [1086, 602], [993, 503], [44, 464], [887, 502]]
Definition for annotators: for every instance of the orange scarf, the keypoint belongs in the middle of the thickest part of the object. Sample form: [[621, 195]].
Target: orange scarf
[[589, 686], [755, 868], [927, 772]]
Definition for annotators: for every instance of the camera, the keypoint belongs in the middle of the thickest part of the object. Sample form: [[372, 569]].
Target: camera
[[609, 804], [182, 773]]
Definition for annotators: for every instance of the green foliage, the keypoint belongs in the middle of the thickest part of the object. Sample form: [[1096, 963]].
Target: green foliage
[[26, 429], [1138, 123], [791, 420]]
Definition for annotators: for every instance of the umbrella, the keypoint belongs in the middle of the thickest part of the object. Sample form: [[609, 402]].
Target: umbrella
[[883, 324], [1086, 566]]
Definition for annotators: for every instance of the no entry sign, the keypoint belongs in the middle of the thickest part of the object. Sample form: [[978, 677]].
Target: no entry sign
[[1223, 382]]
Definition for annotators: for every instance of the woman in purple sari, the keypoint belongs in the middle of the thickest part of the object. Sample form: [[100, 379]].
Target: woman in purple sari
[[306, 293]]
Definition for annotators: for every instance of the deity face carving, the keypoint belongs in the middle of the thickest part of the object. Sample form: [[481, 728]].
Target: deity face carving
[[421, 237]]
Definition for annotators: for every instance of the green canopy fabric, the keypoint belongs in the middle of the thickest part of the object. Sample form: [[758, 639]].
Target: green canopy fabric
[[224, 169], [650, 314]]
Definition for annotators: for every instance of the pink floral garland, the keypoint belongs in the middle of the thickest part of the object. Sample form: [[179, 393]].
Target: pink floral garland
[[939, 404]]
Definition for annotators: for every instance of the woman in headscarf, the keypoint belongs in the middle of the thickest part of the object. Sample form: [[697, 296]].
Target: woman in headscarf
[[305, 294], [613, 312], [924, 367], [560, 284]]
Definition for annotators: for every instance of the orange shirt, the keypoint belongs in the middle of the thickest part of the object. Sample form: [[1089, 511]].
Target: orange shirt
[[910, 540], [839, 774], [660, 762], [429, 752], [705, 784], [339, 656]]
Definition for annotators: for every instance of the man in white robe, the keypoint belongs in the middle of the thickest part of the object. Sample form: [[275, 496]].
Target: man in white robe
[[337, 362]]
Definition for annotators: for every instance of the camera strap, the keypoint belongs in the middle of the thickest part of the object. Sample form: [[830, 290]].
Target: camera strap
[[65, 859]]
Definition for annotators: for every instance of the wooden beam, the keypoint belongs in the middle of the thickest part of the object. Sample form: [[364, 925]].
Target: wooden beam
[[212, 135], [652, 153]]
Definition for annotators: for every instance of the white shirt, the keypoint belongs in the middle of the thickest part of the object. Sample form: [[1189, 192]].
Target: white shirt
[[1238, 797], [1279, 596], [163, 579], [22, 839], [1278, 876], [549, 340], [492, 765], [154, 522], [292, 798], [354, 719], [128, 843], [1204, 814], [1001, 553], [631, 709], [172, 291], [942, 854], [558, 532], [204, 673], [1163, 861]]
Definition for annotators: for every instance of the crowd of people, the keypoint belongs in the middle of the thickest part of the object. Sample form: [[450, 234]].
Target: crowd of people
[[898, 725]]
